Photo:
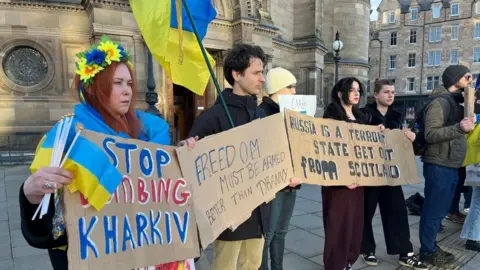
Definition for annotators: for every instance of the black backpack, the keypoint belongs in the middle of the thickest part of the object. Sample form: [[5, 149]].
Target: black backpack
[[418, 126], [415, 204]]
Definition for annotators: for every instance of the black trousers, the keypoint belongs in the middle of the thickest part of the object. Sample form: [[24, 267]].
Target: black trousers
[[343, 220], [461, 188], [394, 218]]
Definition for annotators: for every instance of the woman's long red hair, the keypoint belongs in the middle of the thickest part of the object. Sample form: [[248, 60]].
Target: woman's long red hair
[[98, 96]]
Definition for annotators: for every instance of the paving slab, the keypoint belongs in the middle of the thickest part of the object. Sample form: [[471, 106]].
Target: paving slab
[[307, 222], [304, 243], [294, 261]]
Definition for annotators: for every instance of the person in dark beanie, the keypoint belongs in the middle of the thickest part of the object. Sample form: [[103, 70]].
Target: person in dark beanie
[[445, 129], [243, 69], [390, 198], [279, 82]]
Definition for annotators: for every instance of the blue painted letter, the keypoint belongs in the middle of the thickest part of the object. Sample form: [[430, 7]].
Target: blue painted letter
[[146, 170], [182, 230], [168, 230], [109, 151], [111, 233], [142, 225], [84, 237], [127, 234], [127, 147], [154, 232]]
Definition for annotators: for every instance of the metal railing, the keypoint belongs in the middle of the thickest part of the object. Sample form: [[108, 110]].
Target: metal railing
[[18, 149]]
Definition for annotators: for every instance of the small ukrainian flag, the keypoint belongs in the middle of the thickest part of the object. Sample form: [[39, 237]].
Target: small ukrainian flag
[[95, 176]]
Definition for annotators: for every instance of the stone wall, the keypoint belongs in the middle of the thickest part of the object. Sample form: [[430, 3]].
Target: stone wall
[[294, 34], [37, 54]]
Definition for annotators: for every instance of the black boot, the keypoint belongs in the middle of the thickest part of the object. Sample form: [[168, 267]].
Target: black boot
[[473, 245]]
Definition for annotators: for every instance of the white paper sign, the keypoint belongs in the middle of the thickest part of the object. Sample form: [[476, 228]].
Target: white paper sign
[[306, 104]]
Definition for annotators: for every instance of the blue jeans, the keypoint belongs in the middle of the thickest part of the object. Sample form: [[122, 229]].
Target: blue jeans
[[440, 186], [471, 228], [280, 215]]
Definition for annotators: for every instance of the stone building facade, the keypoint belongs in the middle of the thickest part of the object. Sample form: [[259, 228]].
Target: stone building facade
[[39, 40], [412, 42]]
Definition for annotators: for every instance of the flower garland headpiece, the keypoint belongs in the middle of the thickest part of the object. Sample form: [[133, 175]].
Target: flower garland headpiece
[[93, 61]]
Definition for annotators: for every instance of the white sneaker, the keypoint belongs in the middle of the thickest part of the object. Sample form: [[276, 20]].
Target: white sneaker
[[466, 210]]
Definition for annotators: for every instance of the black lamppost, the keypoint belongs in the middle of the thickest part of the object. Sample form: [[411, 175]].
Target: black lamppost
[[337, 47], [151, 97]]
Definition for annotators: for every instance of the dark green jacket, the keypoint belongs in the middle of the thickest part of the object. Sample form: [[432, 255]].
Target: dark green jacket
[[447, 144]]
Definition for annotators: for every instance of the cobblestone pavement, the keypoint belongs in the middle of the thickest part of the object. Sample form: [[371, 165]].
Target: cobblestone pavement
[[304, 243]]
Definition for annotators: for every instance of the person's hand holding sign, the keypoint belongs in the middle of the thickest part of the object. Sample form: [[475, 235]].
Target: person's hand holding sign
[[189, 142], [353, 186], [382, 127], [409, 134], [468, 124], [294, 181]]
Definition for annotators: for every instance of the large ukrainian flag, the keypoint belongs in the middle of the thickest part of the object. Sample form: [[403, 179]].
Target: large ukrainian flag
[[184, 63], [95, 176], [473, 139]]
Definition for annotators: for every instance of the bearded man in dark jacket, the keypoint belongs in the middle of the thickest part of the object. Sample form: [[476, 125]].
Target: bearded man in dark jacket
[[390, 198], [243, 69]]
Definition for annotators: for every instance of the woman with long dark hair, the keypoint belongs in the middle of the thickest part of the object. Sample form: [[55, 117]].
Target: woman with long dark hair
[[343, 205]]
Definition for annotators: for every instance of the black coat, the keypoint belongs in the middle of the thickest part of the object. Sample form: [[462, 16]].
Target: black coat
[[38, 233], [392, 119], [243, 110], [337, 112], [271, 107]]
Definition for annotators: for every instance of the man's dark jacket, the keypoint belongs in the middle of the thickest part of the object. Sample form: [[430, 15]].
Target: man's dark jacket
[[243, 110], [392, 119], [447, 144], [271, 107]]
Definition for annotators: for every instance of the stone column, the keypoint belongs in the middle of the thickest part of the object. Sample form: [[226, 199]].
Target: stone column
[[319, 87], [219, 57], [266, 69], [303, 81]]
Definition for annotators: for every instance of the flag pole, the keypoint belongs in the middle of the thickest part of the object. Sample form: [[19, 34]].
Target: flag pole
[[217, 86]]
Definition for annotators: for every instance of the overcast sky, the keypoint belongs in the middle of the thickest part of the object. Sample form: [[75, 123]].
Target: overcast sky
[[375, 4]]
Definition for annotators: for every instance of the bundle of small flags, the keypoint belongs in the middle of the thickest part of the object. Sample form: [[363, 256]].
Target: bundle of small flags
[[58, 158]]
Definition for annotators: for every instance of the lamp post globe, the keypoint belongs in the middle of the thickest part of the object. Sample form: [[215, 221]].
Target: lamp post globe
[[337, 46]]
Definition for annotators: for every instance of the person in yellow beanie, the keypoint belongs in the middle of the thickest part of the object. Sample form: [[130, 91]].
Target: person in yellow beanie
[[279, 82]]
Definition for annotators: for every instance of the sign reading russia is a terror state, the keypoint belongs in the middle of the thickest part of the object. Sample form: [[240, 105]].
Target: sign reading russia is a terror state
[[334, 153]]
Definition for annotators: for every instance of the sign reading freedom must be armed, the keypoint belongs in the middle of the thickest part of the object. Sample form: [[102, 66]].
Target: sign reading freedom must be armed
[[236, 171], [335, 153]]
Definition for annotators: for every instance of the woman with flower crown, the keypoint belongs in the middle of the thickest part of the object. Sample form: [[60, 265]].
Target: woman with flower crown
[[107, 90]]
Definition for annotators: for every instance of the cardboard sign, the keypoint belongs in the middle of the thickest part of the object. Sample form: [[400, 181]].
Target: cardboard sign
[[236, 171], [149, 219], [305, 104], [334, 153], [469, 103]]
